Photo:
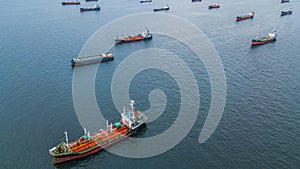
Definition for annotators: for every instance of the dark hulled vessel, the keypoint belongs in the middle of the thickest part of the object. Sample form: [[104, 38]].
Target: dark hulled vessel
[[287, 12], [145, 1], [94, 8], [285, 1], [164, 8]]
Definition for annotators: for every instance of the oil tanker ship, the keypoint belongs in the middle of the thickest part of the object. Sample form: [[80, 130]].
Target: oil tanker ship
[[285, 1], [249, 16], [145, 1], [164, 8], [138, 37], [287, 12], [104, 57], [212, 6], [260, 41], [71, 3], [88, 144], [93, 8]]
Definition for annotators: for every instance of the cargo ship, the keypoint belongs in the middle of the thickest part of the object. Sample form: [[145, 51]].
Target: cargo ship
[[94, 8], [213, 6], [138, 37], [196, 0], [88, 144], [145, 1], [164, 8], [260, 41], [90, 0], [287, 12], [249, 16], [104, 57], [71, 3], [285, 1]]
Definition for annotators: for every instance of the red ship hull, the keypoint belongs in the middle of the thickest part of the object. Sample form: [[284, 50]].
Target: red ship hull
[[70, 3], [213, 6], [89, 144], [261, 43], [131, 39], [243, 18], [96, 150]]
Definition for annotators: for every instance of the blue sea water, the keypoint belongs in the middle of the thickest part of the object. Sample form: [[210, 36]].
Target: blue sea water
[[261, 120]]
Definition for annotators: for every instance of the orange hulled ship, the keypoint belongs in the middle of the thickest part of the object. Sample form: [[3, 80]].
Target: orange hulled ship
[[138, 37], [89, 144]]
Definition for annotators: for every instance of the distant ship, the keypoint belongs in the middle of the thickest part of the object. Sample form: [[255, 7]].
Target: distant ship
[[287, 12], [71, 3], [138, 37], [213, 6], [90, 0], [285, 1], [260, 41], [145, 1], [94, 8], [88, 144], [196, 0], [104, 57], [249, 16], [166, 7]]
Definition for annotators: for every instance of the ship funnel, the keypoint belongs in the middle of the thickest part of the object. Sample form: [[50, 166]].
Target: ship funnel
[[135, 113]]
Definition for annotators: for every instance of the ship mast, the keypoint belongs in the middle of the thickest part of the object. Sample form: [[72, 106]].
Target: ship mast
[[131, 104], [66, 134], [84, 131], [106, 128]]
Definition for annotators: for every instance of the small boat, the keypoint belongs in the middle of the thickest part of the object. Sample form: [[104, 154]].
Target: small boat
[[249, 16], [213, 6], [285, 1], [104, 57], [88, 144], [196, 0], [260, 41], [145, 1], [138, 37], [94, 8], [287, 12], [166, 7], [71, 3]]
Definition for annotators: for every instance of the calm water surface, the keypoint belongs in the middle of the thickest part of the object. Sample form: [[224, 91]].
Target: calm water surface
[[260, 127]]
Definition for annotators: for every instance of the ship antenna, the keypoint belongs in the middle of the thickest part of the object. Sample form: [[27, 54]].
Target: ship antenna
[[84, 131], [131, 104], [66, 134], [110, 127]]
